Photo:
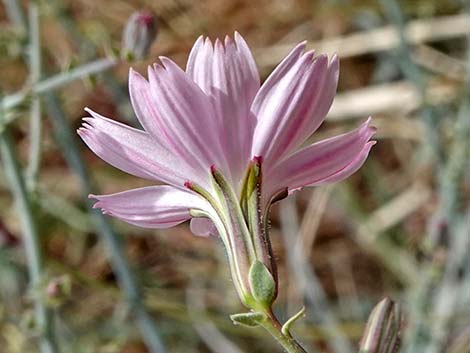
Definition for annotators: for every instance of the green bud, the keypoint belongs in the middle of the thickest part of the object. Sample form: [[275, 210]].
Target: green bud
[[263, 286], [247, 319], [382, 332]]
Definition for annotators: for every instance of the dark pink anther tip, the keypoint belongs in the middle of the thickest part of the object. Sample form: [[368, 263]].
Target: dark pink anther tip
[[213, 169], [147, 18], [188, 184], [258, 159]]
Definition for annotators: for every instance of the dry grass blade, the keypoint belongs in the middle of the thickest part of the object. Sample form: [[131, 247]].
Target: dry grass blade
[[376, 40], [398, 97]]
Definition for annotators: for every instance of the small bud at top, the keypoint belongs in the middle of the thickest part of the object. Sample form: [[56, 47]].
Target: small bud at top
[[382, 332], [139, 33]]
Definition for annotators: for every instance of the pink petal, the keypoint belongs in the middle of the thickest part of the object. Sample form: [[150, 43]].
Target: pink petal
[[160, 206], [134, 151], [199, 65], [202, 227], [227, 73], [144, 104], [351, 168], [323, 162], [293, 103], [185, 117], [281, 70]]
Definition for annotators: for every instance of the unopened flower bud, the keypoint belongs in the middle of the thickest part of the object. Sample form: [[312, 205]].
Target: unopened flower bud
[[382, 332], [139, 33]]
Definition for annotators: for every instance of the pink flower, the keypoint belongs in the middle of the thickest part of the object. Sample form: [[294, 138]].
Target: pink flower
[[212, 134]]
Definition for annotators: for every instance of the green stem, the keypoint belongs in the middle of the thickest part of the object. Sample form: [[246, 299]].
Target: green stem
[[43, 315], [35, 132], [272, 325], [58, 81]]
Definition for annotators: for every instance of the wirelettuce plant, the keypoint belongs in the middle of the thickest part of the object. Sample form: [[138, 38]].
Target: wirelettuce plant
[[226, 149]]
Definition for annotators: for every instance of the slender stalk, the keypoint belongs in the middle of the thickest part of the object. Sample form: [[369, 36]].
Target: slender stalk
[[58, 81], [43, 315], [35, 130], [272, 325]]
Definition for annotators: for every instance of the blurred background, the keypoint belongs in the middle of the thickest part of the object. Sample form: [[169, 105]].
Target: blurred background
[[399, 227]]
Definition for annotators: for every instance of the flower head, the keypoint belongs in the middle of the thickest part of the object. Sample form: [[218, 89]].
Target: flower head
[[226, 147]]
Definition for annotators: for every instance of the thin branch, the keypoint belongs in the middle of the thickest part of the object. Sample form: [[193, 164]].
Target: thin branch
[[43, 315], [58, 81], [35, 127]]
